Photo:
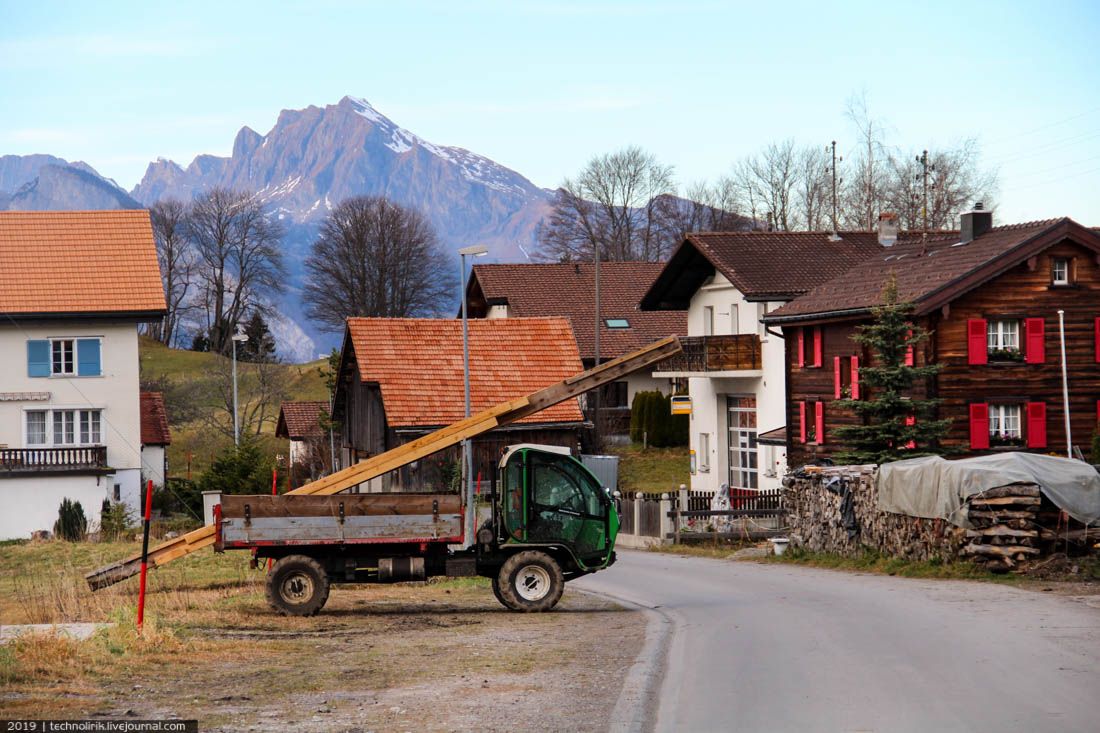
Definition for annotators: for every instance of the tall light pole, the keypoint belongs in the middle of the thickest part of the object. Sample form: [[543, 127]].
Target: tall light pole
[[476, 250], [596, 348], [237, 338]]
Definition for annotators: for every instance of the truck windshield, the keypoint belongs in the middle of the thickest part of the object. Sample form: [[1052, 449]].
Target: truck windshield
[[563, 484]]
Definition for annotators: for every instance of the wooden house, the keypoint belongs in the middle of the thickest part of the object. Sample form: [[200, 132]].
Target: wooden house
[[992, 298], [401, 378]]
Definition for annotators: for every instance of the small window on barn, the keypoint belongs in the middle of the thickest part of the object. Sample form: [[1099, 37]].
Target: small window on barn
[[617, 323], [1059, 271]]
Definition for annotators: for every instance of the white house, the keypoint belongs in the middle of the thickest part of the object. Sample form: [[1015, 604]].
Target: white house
[[568, 289], [155, 438], [73, 288], [735, 368]]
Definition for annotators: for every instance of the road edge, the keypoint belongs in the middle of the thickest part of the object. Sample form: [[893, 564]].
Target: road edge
[[637, 706]]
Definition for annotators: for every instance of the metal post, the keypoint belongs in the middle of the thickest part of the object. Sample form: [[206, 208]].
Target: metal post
[[1065, 382], [467, 454], [596, 413], [236, 427]]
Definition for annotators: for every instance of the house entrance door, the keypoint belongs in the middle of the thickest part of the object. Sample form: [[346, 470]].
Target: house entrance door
[[741, 422]]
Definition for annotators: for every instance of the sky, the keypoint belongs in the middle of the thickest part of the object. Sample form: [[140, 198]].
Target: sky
[[543, 87]]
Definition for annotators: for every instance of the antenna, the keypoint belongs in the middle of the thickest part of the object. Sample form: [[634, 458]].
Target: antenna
[[832, 169]]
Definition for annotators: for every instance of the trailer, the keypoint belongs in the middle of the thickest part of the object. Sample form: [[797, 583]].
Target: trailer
[[550, 521]]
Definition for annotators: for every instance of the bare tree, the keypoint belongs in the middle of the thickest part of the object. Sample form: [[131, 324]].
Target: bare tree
[[868, 170], [238, 261], [618, 205], [813, 207], [177, 262], [261, 388], [712, 208], [373, 257], [955, 180]]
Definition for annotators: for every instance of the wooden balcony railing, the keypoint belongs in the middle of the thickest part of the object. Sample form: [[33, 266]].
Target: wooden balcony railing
[[739, 352], [29, 460]]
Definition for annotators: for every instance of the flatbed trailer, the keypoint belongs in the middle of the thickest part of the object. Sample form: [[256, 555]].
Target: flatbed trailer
[[582, 514]]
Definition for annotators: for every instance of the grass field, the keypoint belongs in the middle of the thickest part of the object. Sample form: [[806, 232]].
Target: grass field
[[194, 384], [652, 470]]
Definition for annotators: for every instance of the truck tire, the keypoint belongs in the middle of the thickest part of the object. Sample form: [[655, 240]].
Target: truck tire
[[297, 586], [530, 582], [496, 590]]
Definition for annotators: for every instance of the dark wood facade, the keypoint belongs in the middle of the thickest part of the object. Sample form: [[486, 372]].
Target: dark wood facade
[[1024, 294]]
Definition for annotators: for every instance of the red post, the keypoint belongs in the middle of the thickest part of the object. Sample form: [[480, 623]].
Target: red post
[[145, 553]]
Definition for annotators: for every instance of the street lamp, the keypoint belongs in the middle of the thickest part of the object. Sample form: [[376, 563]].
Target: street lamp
[[237, 338], [476, 250]]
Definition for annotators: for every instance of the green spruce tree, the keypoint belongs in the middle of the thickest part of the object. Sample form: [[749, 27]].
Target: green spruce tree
[[884, 434]]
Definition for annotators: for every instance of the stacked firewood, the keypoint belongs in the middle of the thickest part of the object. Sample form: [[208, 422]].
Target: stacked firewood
[[1006, 526]]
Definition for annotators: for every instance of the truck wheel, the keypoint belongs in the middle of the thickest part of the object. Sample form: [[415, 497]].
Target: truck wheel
[[297, 586], [496, 590], [531, 582]]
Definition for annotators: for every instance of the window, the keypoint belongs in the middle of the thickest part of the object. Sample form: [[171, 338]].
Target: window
[[1059, 271], [64, 431], [704, 453], [741, 433], [617, 323], [614, 395], [36, 427], [1004, 425], [735, 323], [761, 311], [89, 427], [62, 356], [708, 320], [1003, 340]]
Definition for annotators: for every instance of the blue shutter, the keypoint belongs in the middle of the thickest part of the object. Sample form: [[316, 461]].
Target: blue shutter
[[87, 358], [38, 358]]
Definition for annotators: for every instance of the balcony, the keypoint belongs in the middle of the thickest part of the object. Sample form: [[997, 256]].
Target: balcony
[[714, 356], [25, 461]]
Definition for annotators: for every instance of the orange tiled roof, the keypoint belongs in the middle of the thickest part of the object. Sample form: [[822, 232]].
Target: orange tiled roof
[[78, 262], [300, 420], [154, 420], [417, 362]]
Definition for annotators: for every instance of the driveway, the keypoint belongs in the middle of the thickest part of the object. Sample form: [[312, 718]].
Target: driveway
[[758, 647]]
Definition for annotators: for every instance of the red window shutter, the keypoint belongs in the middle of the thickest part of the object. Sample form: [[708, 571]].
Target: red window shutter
[[802, 421], [1036, 346], [1036, 425], [1097, 329], [819, 359], [819, 422], [802, 346], [855, 377], [910, 357], [911, 420], [836, 377], [976, 340], [979, 426]]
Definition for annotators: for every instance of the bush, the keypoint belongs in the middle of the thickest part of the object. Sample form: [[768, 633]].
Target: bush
[[114, 521], [241, 470], [71, 524], [652, 421]]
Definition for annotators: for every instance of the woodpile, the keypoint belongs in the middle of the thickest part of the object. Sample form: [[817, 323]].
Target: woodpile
[[821, 513]]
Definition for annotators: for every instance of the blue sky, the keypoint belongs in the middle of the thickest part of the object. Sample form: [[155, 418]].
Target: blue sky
[[541, 87]]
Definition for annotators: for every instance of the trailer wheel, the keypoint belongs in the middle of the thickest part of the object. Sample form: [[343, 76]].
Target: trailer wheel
[[496, 590], [530, 582], [297, 586]]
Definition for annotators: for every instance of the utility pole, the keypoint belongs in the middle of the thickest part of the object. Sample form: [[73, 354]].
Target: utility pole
[[596, 362], [925, 170], [832, 169]]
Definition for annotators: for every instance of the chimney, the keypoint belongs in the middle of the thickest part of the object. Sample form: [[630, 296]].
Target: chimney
[[974, 223], [887, 229]]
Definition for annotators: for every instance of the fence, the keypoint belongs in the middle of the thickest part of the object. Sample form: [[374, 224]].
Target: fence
[[646, 519]]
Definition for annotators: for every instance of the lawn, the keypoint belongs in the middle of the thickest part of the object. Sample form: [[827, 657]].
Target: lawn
[[652, 470]]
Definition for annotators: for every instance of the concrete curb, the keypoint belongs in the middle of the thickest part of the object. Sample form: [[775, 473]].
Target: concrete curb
[[636, 709]]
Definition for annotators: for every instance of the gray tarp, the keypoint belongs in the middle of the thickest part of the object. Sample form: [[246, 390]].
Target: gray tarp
[[932, 487]]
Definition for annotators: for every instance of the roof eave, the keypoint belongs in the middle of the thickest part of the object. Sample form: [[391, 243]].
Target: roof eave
[[139, 315]]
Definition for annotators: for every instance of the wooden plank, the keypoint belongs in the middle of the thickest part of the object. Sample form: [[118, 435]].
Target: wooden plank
[[1000, 531], [312, 530], [1008, 501], [290, 505], [1012, 490]]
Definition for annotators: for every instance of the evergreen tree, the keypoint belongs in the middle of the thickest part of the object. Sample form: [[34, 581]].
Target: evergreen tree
[[261, 344], [884, 434], [71, 524], [242, 469]]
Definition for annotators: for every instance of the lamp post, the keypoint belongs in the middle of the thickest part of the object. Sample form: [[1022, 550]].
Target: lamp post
[[237, 338], [476, 250]]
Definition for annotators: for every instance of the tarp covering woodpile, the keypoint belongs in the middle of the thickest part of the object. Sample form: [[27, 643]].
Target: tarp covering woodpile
[[932, 487]]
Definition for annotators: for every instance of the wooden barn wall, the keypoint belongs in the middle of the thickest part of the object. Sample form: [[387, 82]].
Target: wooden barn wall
[[1023, 292]]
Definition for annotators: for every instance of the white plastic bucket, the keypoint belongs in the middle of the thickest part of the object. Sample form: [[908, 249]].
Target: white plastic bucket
[[779, 544]]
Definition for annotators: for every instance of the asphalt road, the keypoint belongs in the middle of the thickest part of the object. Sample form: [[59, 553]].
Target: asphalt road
[[758, 647]]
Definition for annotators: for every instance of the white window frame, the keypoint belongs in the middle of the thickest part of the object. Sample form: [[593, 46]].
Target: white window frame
[[1000, 334], [1056, 264], [45, 428], [1005, 421], [81, 414], [708, 320], [761, 311], [703, 454], [735, 323], [71, 372]]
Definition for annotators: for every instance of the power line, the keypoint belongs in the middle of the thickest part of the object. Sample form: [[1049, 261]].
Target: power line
[[1047, 126]]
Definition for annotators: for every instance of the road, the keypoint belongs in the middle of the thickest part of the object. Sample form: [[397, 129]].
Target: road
[[758, 647]]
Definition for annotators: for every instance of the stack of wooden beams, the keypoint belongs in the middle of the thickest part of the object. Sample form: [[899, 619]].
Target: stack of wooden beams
[[1006, 525]]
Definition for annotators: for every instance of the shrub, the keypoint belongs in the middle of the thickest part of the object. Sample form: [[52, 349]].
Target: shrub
[[71, 524], [239, 470], [652, 421], [114, 521]]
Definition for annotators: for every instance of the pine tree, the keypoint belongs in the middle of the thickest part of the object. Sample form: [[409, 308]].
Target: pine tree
[[884, 434], [261, 344]]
